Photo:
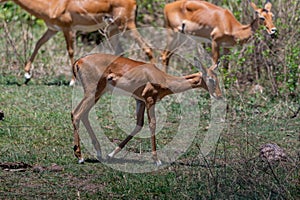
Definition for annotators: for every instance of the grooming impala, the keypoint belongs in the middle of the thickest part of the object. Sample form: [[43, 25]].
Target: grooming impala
[[99, 73], [87, 15], [206, 20]]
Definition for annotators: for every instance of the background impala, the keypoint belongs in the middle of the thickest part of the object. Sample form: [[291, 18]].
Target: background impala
[[207, 20], [69, 16]]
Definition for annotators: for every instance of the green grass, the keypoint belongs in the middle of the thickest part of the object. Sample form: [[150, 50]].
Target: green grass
[[37, 130]]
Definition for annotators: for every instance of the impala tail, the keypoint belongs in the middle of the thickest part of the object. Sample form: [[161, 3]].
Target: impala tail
[[75, 69]]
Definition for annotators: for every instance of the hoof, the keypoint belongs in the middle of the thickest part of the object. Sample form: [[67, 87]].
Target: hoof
[[114, 152], [81, 161], [111, 155], [158, 163], [72, 83], [27, 76]]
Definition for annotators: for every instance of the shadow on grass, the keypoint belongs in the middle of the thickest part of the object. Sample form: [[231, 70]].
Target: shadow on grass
[[114, 161]]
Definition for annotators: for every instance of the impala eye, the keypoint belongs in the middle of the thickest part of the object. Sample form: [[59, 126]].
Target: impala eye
[[262, 18]]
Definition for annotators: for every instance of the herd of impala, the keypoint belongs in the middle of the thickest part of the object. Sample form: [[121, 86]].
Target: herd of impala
[[99, 73]]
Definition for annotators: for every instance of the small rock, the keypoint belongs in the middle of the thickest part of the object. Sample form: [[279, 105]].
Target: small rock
[[272, 153], [38, 169], [55, 168]]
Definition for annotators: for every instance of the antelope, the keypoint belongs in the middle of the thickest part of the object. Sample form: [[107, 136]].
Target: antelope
[[201, 18], [147, 84], [85, 15]]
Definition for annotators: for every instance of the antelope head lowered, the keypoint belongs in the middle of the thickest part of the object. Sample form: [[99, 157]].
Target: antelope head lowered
[[203, 19], [99, 73]]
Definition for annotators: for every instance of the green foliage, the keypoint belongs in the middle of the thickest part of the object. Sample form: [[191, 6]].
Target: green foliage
[[150, 11], [14, 13], [293, 68]]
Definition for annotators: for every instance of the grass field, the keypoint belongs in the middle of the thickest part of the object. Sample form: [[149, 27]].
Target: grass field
[[37, 130], [36, 135]]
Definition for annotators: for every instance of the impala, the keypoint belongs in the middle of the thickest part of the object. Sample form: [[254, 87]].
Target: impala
[[99, 73], [209, 21], [86, 15]]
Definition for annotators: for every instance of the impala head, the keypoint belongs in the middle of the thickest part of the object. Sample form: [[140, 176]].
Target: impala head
[[265, 17], [210, 78]]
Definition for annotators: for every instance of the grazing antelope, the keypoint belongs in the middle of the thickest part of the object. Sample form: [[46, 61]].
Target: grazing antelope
[[99, 73], [85, 15], [209, 21]]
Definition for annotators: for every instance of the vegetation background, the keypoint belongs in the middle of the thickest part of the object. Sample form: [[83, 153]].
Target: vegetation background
[[37, 128]]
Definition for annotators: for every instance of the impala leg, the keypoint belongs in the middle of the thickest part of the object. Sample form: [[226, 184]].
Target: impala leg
[[140, 110], [85, 118], [166, 54], [174, 41], [215, 52], [75, 121], [46, 36], [152, 126], [92, 135], [69, 38], [165, 58], [81, 113], [136, 35]]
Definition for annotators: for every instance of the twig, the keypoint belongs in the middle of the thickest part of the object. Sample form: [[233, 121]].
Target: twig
[[105, 31], [210, 170], [295, 113], [11, 42], [276, 178]]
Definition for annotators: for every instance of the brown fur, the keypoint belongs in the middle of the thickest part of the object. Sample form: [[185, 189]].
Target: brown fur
[[71, 15], [207, 20], [99, 73]]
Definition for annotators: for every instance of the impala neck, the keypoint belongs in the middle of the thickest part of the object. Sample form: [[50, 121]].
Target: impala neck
[[181, 84], [244, 33]]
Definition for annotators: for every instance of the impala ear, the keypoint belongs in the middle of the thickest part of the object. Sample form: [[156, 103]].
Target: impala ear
[[253, 5], [268, 5], [200, 66]]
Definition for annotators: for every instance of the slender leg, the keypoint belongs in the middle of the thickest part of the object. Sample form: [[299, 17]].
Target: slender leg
[[140, 110], [215, 52], [129, 23], [152, 126], [69, 38], [46, 36], [165, 57], [136, 35], [167, 53], [92, 135], [81, 113], [174, 41], [75, 121]]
